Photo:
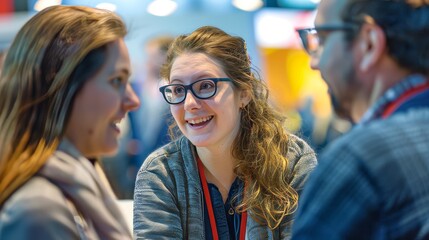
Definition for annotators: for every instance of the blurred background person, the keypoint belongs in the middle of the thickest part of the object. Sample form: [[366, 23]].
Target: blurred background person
[[64, 89], [149, 125]]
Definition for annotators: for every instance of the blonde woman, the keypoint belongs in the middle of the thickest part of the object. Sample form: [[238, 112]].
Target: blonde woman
[[235, 173], [64, 88]]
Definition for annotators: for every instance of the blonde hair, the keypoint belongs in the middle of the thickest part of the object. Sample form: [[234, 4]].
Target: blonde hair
[[42, 72], [262, 142]]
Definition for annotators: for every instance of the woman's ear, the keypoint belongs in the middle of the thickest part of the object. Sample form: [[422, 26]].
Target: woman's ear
[[245, 98]]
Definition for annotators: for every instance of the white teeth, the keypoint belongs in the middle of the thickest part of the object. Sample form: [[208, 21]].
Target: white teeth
[[117, 122], [196, 121]]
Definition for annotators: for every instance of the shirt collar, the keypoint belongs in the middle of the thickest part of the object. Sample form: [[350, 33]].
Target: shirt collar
[[392, 94]]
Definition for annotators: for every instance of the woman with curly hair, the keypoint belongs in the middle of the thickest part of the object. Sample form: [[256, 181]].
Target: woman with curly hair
[[235, 173]]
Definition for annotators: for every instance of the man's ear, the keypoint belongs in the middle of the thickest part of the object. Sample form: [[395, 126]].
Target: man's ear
[[372, 44]]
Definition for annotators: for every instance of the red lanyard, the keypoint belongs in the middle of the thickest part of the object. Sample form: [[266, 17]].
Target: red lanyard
[[210, 206], [393, 106]]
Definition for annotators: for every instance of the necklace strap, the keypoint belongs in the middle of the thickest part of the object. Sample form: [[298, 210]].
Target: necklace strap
[[208, 199], [210, 205]]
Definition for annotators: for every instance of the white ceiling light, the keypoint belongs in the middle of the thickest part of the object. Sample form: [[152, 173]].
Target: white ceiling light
[[107, 6], [275, 28], [162, 7], [42, 4], [248, 5]]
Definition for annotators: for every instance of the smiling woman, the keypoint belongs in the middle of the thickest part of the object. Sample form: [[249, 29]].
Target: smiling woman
[[64, 89], [232, 171]]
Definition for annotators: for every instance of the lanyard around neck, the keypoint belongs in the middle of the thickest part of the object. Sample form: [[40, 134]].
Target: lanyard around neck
[[210, 206], [393, 106]]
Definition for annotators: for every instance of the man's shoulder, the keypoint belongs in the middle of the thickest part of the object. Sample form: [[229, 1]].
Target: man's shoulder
[[385, 131], [382, 139]]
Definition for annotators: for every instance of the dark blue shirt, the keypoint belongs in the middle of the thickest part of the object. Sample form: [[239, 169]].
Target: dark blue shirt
[[227, 220]]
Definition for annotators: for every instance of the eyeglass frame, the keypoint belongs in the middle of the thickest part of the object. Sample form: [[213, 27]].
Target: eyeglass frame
[[303, 32], [189, 87]]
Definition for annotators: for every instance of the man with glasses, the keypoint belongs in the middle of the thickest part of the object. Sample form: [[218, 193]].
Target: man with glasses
[[372, 183]]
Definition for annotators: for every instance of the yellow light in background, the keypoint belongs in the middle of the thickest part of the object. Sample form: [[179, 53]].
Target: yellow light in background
[[294, 86], [292, 83]]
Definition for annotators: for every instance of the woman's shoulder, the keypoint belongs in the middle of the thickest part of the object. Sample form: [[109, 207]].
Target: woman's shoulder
[[297, 147], [35, 194], [172, 154], [302, 161], [171, 166], [38, 204]]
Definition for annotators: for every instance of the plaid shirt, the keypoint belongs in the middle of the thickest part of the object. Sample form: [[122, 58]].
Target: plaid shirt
[[373, 183]]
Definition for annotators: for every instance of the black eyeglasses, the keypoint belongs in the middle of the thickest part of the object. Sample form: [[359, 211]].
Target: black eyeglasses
[[311, 39], [202, 89]]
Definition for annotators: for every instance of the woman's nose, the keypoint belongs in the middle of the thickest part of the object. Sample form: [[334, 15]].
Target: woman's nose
[[191, 102], [131, 100]]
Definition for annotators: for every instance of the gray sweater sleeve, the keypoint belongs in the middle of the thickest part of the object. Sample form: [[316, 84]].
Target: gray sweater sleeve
[[302, 161], [156, 211]]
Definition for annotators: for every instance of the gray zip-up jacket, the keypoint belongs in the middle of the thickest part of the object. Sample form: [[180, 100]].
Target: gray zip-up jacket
[[168, 197]]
